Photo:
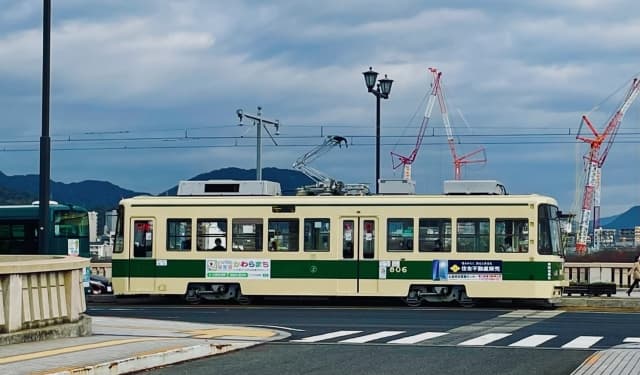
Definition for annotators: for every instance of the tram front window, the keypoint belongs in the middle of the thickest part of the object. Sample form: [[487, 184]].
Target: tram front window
[[549, 230]]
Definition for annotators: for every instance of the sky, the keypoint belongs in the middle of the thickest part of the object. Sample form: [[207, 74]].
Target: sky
[[144, 93]]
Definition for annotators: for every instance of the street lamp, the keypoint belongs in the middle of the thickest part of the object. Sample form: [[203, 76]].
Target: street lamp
[[382, 91]]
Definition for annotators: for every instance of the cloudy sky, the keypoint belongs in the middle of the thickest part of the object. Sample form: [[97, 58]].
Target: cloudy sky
[[144, 92]]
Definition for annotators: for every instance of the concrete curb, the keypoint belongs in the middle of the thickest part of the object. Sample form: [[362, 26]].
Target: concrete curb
[[145, 361]]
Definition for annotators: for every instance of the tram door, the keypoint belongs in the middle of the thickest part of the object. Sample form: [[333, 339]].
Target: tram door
[[142, 272], [360, 250]]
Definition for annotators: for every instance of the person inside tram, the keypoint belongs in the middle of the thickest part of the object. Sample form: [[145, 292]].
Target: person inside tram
[[219, 246], [507, 247]]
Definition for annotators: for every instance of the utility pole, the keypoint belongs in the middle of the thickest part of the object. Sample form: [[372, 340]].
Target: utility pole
[[259, 122], [44, 229]]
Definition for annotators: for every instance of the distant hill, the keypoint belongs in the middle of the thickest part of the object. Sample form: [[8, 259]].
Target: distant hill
[[289, 180], [93, 195], [628, 219], [103, 195]]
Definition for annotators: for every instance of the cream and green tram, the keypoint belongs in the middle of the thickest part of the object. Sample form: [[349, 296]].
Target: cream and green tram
[[420, 248]]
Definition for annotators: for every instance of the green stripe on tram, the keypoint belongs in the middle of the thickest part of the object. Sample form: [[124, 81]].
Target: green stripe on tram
[[329, 269]]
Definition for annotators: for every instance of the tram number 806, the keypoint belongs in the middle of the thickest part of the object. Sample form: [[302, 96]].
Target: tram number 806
[[398, 269]]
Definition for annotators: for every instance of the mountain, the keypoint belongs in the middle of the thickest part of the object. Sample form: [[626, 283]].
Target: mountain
[[626, 220], [289, 180], [103, 195], [93, 195]]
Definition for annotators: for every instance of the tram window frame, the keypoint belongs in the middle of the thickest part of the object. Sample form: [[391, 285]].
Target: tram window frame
[[398, 241], [434, 235], [284, 234], [251, 234], [203, 238], [514, 229], [479, 240], [549, 240], [142, 239], [317, 234], [368, 238], [179, 238]]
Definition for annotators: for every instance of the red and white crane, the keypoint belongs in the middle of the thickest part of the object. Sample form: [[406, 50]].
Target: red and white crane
[[437, 92], [594, 161], [458, 160], [397, 159]]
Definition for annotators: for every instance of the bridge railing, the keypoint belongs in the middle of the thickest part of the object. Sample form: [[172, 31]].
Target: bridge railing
[[590, 272], [38, 291]]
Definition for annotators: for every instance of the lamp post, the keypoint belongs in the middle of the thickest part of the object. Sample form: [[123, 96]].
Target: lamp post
[[44, 227], [381, 91]]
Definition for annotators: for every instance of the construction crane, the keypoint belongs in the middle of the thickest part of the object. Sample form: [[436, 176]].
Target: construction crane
[[437, 92], [325, 184], [594, 160], [396, 159], [474, 157]]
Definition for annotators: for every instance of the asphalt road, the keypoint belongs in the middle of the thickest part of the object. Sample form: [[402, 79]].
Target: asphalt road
[[387, 338]]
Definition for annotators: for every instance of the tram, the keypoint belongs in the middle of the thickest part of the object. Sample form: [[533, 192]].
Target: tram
[[69, 230], [224, 245]]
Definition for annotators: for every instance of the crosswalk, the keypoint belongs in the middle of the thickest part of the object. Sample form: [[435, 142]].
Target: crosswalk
[[427, 338]]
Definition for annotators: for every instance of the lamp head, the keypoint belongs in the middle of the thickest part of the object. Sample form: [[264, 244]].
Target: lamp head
[[370, 78], [240, 114]]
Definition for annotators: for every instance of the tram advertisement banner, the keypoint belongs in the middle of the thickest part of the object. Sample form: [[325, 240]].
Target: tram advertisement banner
[[238, 269], [470, 270]]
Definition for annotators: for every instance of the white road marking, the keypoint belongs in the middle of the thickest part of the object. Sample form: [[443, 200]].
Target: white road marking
[[371, 337], [533, 340], [278, 327], [327, 336], [484, 339], [632, 339], [418, 338], [582, 342]]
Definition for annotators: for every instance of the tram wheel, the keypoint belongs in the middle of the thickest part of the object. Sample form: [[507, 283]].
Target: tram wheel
[[244, 300], [192, 297], [412, 302]]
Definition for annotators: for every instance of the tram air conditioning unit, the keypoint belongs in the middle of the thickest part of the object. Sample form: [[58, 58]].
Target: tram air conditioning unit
[[474, 187], [228, 187]]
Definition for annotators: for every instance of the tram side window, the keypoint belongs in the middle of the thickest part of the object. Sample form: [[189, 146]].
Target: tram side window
[[472, 236], [246, 234], [548, 230], [179, 234], [400, 235], [284, 234], [118, 246], [368, 239], [434, 235], [212, 235], [512, 236], [316, 234], [142, 238], [347, 239]]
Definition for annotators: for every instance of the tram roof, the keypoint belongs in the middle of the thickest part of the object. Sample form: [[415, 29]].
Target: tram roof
[[338, 200]]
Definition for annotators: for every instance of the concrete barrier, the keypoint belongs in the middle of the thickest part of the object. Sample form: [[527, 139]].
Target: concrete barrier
[[38, 291]]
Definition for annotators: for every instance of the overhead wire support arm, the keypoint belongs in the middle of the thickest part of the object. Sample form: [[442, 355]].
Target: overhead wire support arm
[[259, 123]]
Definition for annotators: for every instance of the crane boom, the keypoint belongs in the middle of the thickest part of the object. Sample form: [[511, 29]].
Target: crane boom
[[458, 161], [406, 161], [595, 160]]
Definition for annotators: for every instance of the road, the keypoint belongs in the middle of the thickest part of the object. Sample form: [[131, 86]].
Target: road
[[384, 338]]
